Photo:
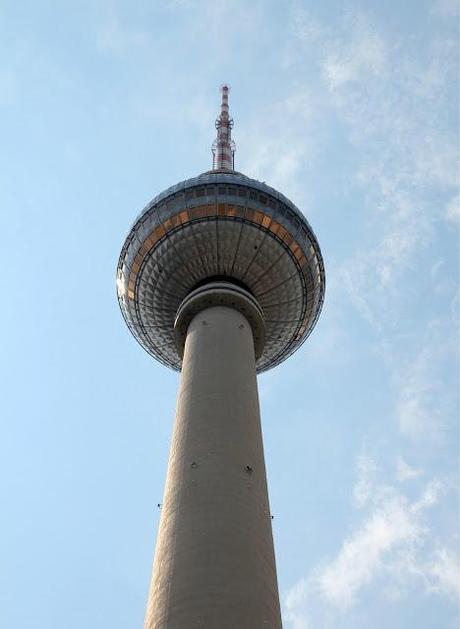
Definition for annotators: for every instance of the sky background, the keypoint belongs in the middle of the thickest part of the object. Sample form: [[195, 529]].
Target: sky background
[[351, 110]]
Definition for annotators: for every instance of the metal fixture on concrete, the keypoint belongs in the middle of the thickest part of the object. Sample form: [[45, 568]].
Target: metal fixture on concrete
[[220, 277]]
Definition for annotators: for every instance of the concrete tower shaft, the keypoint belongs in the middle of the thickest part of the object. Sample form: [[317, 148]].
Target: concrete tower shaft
[[214, 566]]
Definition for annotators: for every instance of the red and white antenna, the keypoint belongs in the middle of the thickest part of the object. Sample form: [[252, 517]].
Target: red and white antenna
[[223, 148]]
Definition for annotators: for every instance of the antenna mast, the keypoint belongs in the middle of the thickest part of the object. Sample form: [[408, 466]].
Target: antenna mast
[[223, 148]]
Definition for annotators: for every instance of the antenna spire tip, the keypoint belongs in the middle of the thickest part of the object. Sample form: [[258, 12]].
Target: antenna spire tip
[[223, 148]]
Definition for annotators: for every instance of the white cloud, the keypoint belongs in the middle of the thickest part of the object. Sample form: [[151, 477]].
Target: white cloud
[[452, 212], [393, 522], [279, 140], [304, 25], [394, 97], [405, 472], [430, 496], [362, 491], [393, 546], [425, 400], [359, 55], [389, 96], [362, 555], [443, 571], [418, 412]]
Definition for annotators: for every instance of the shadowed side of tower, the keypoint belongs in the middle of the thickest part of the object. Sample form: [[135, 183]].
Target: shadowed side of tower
[[221, 277]]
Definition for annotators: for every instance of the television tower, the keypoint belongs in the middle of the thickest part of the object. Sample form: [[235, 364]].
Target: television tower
[[221, 277]]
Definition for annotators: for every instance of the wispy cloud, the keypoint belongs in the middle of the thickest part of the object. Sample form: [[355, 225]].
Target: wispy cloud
[[394, 98], [352, 58], [446, 8], [419, 411], [362, 491], [405, 472], [279, 141], [424, 383], [389, 96], [393, 545], [115, 37], [452, 212]]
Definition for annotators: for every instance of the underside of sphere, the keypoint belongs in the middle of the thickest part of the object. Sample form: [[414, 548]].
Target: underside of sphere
[[221, 226]]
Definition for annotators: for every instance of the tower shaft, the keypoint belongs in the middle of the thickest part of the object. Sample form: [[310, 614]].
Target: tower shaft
[[214, 564]]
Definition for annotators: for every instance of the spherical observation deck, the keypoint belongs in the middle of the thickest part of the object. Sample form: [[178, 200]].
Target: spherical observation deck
[[221, 226]]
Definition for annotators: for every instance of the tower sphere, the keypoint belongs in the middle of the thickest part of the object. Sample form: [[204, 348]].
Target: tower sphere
[[221, 226]]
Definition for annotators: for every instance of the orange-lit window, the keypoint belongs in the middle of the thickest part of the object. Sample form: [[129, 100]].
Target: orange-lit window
[[282, 232], [152, 238], [274, 227], [160, 231], [299, 255], [258, 217]]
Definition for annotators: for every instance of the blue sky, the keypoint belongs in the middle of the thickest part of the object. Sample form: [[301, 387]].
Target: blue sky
[[348, 108]]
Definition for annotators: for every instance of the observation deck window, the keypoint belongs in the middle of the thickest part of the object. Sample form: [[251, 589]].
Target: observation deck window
[[258, 217]]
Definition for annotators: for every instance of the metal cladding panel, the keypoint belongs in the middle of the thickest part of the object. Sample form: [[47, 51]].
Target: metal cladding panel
[[228, 225]]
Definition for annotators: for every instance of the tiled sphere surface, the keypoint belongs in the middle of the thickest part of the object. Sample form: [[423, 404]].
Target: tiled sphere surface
[[221, 225]]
